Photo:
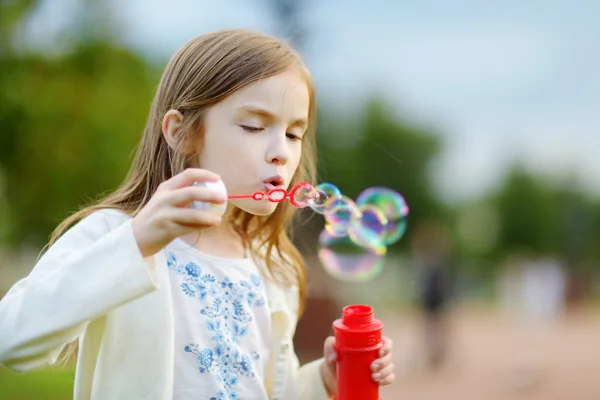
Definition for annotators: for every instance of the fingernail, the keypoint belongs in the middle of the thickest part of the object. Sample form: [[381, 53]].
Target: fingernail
[[376, 377], [332, 357], [375, 367], [381, 353]]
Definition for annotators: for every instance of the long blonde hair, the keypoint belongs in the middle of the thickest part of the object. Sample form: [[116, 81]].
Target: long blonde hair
[[200, 74]]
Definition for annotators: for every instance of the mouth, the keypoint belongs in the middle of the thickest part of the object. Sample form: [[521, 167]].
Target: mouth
[[273, 182]]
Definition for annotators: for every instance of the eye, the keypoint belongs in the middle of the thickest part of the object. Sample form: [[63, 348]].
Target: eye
[[293, 137], [251, 128]]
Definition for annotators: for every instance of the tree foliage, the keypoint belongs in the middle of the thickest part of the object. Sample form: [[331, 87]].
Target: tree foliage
[[69, 124]]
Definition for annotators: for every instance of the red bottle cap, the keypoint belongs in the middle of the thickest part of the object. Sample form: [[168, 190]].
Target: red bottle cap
[[358, 329]]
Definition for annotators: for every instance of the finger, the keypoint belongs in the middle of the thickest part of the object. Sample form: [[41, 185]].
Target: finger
[[190, 217], [383, 373], [186, 195], [388, 345], [189, 176], [387, 380], [381, 362], [329, 351]]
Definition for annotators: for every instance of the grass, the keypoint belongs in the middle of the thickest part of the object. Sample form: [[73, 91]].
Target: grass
[[44, 384]]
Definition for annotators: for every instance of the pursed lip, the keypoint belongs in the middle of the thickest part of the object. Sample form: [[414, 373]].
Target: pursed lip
[[274, 182]]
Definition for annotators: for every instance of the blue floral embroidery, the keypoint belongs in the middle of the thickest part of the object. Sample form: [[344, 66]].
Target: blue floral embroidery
[[225, 306]]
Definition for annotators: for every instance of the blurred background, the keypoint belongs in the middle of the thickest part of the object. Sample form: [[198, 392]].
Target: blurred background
[[483, 115]]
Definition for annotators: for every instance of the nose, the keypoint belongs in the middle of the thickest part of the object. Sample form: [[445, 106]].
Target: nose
[[277, 161], [279, 150]]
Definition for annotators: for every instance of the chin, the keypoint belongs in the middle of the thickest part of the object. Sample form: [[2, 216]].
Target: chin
[[260, 208]]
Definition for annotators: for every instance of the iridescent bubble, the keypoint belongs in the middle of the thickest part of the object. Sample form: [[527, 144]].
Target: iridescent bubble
[[367, 229], [338, 215], [322, 196], [344, 260], [300, 194], [393, 207]]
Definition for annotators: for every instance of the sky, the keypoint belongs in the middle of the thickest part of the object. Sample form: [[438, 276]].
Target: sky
[[498, 80]]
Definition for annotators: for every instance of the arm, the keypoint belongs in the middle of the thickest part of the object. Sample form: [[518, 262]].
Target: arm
[[310, 382], [93, 268], [308, 378]]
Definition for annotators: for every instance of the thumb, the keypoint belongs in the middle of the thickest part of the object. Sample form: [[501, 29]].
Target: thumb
[[329, 351], [329, 366]]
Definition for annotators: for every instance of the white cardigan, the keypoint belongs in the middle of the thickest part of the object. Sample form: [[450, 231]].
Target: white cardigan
[[94, 285]]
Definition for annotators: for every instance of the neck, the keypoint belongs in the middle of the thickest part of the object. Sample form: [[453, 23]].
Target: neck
[[221, 240]]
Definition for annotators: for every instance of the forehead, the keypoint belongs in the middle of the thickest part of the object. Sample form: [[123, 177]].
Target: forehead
[[285, 94]]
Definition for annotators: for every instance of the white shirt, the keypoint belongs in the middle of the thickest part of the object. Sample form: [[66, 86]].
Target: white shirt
[[222, 326], [94, 286]]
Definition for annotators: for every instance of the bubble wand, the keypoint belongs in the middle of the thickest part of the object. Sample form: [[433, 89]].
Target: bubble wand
[[375, 220]]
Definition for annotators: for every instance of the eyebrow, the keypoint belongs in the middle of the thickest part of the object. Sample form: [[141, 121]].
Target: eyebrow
[[269, 116]]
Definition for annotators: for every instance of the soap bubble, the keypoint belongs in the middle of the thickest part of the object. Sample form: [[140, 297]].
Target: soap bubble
[[322, 196], [344, 260], [394, 208], [367, 229], [338, 215]]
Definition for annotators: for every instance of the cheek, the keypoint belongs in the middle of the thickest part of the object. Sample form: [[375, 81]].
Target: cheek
[[297, 157], [293, 164], [237, 162], [220, 148]]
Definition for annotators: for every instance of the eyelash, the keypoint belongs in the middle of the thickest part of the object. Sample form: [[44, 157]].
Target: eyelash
[[293, 137], [254, 129]]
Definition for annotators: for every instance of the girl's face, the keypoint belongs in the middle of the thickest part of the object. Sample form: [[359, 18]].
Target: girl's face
[[253, 138]]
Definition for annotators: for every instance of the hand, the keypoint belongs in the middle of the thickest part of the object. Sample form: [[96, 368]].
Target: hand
[[382, 368], [167, 215]]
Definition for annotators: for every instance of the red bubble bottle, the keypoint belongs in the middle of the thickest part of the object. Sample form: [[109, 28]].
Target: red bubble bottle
[[357, 342]]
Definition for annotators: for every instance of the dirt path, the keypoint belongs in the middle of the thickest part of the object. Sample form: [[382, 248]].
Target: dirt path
[[494, 357]]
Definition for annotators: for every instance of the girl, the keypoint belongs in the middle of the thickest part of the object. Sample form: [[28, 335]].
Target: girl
[[167, 301]]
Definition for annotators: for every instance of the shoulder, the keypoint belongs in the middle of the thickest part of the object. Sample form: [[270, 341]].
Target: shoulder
[[94, 226], [84, 234], [108, 217]]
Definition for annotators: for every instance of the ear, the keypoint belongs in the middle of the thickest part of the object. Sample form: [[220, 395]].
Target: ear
[[171, 127]]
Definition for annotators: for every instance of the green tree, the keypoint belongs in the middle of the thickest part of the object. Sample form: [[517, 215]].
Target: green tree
[[69, 124], [69, 120], [529, 213]]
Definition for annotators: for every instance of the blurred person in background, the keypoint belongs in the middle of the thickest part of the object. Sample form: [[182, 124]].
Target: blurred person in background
[[431, 249]]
